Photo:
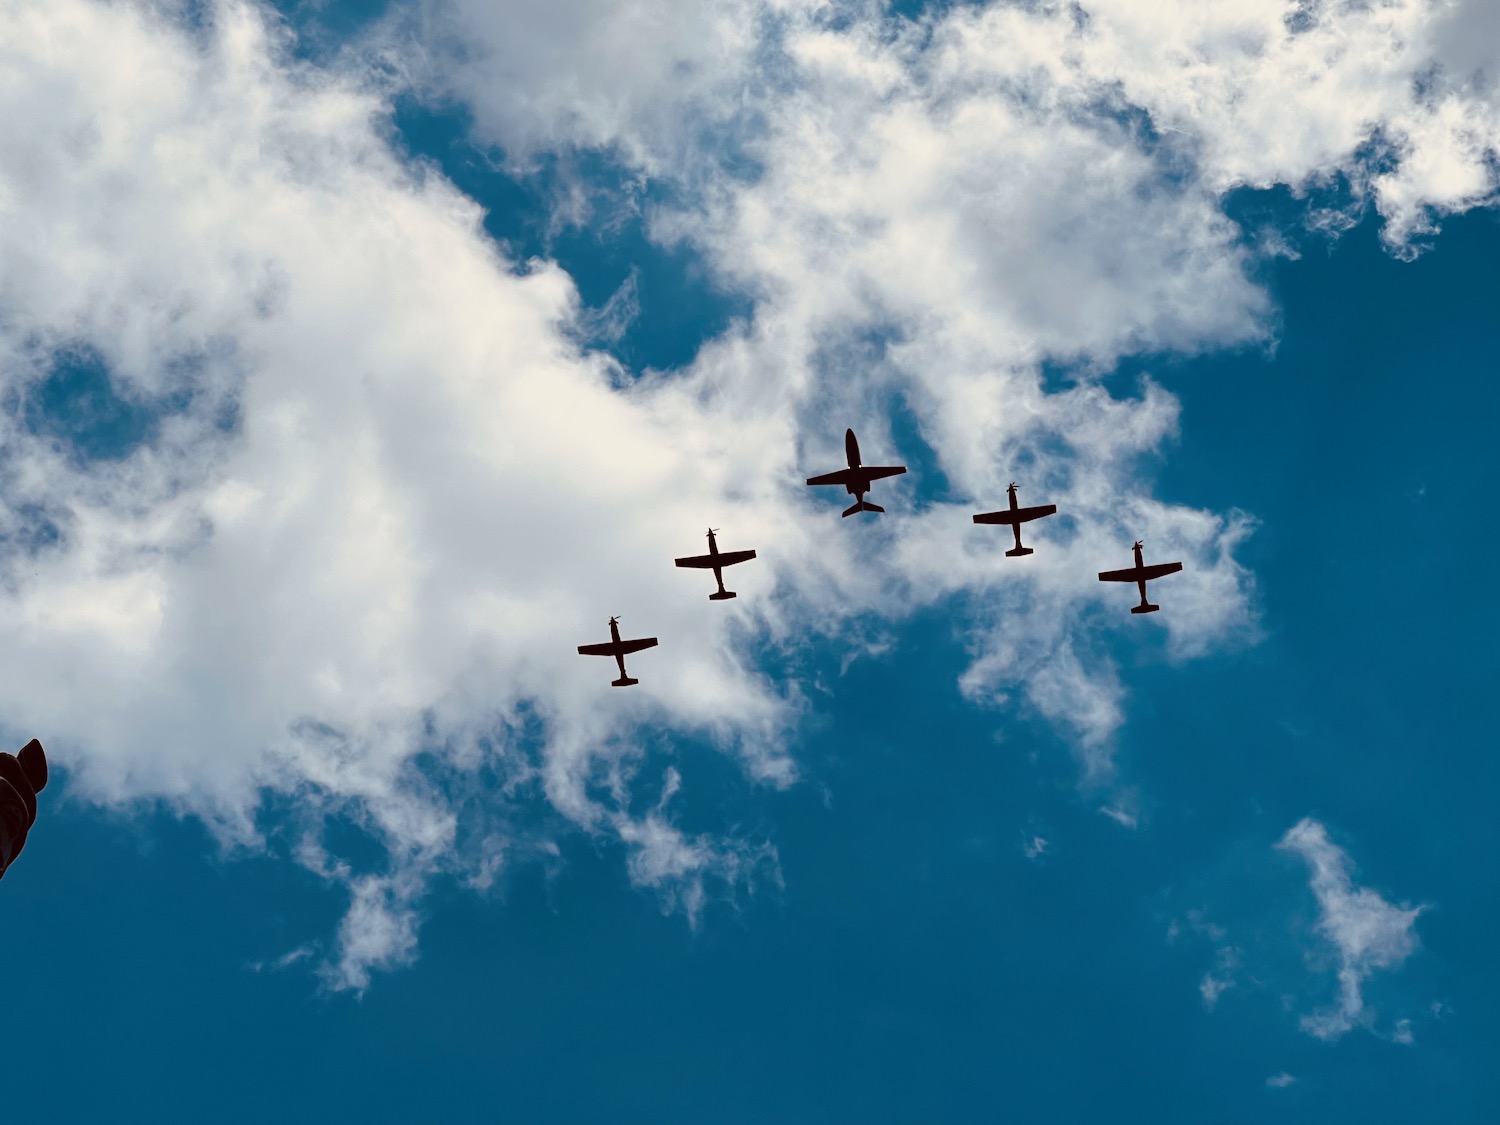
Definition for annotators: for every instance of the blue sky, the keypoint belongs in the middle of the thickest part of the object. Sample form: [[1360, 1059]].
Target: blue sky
[[292, 527]]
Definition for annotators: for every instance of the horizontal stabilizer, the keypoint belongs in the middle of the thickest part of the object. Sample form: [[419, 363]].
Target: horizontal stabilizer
[[862, 506], [722, 595], [624, 681], [1147, 608], [1017, 552]]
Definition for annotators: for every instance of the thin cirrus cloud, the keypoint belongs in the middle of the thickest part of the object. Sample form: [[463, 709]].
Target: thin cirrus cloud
[[430, 492]]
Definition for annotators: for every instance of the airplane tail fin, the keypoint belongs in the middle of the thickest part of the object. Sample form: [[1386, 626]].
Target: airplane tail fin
[[722, 595], [624, 681], [1016, 552], [862, 506], [1146, 607]]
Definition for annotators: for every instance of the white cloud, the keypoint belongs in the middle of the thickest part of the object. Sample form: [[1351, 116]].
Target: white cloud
[[1367, 933], [1228, 959], [1211, 988], [1221, 978], [431, 493], [430, 496], [1280, 1081]]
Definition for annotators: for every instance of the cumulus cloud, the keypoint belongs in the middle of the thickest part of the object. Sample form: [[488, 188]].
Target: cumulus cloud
[[1365, 931], [388, 490], [387, 493]]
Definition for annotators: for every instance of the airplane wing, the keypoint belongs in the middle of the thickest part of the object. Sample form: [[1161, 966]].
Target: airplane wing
[[1158, 570], [1140, 573], [875, 472], [636, 645], [1025, 515], [729, 558], [608, 648], [842, 476], [702, 562], [1020, 515]]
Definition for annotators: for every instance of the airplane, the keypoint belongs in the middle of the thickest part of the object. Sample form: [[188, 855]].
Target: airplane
[[22, 776], [1140, 574], [618, 649], [1016, 516], [857, 478], [717, 561]]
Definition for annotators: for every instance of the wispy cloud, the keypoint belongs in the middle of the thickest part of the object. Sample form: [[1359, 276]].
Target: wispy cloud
[[1220, 979], [1366, 932]]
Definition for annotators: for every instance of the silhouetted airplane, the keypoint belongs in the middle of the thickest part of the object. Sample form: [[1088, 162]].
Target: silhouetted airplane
[[716, 560], [1140, 574], [618, 649], [857, 478], [1016, 516], [22, 777]]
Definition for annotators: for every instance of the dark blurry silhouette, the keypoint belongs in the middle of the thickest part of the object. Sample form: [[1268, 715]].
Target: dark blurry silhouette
[[857, 478], [716, 560], [1015, 516], [618, 649], [22, 777], [1140, 574]]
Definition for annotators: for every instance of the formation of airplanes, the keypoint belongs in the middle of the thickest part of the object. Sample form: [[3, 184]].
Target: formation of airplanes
[[24, 775], [856, 478]]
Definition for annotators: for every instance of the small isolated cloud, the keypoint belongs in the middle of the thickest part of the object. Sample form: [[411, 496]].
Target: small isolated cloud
[[285, 961], [1211, 988], [1120, 816], [1280, 1081], [1034, 847], [1220, 979], [1367, 932]]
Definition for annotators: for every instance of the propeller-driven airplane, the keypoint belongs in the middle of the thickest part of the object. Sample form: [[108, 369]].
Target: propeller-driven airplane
[[1015, 516], [857, 478], [618, 649], [1140, 574], [716, 561]]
